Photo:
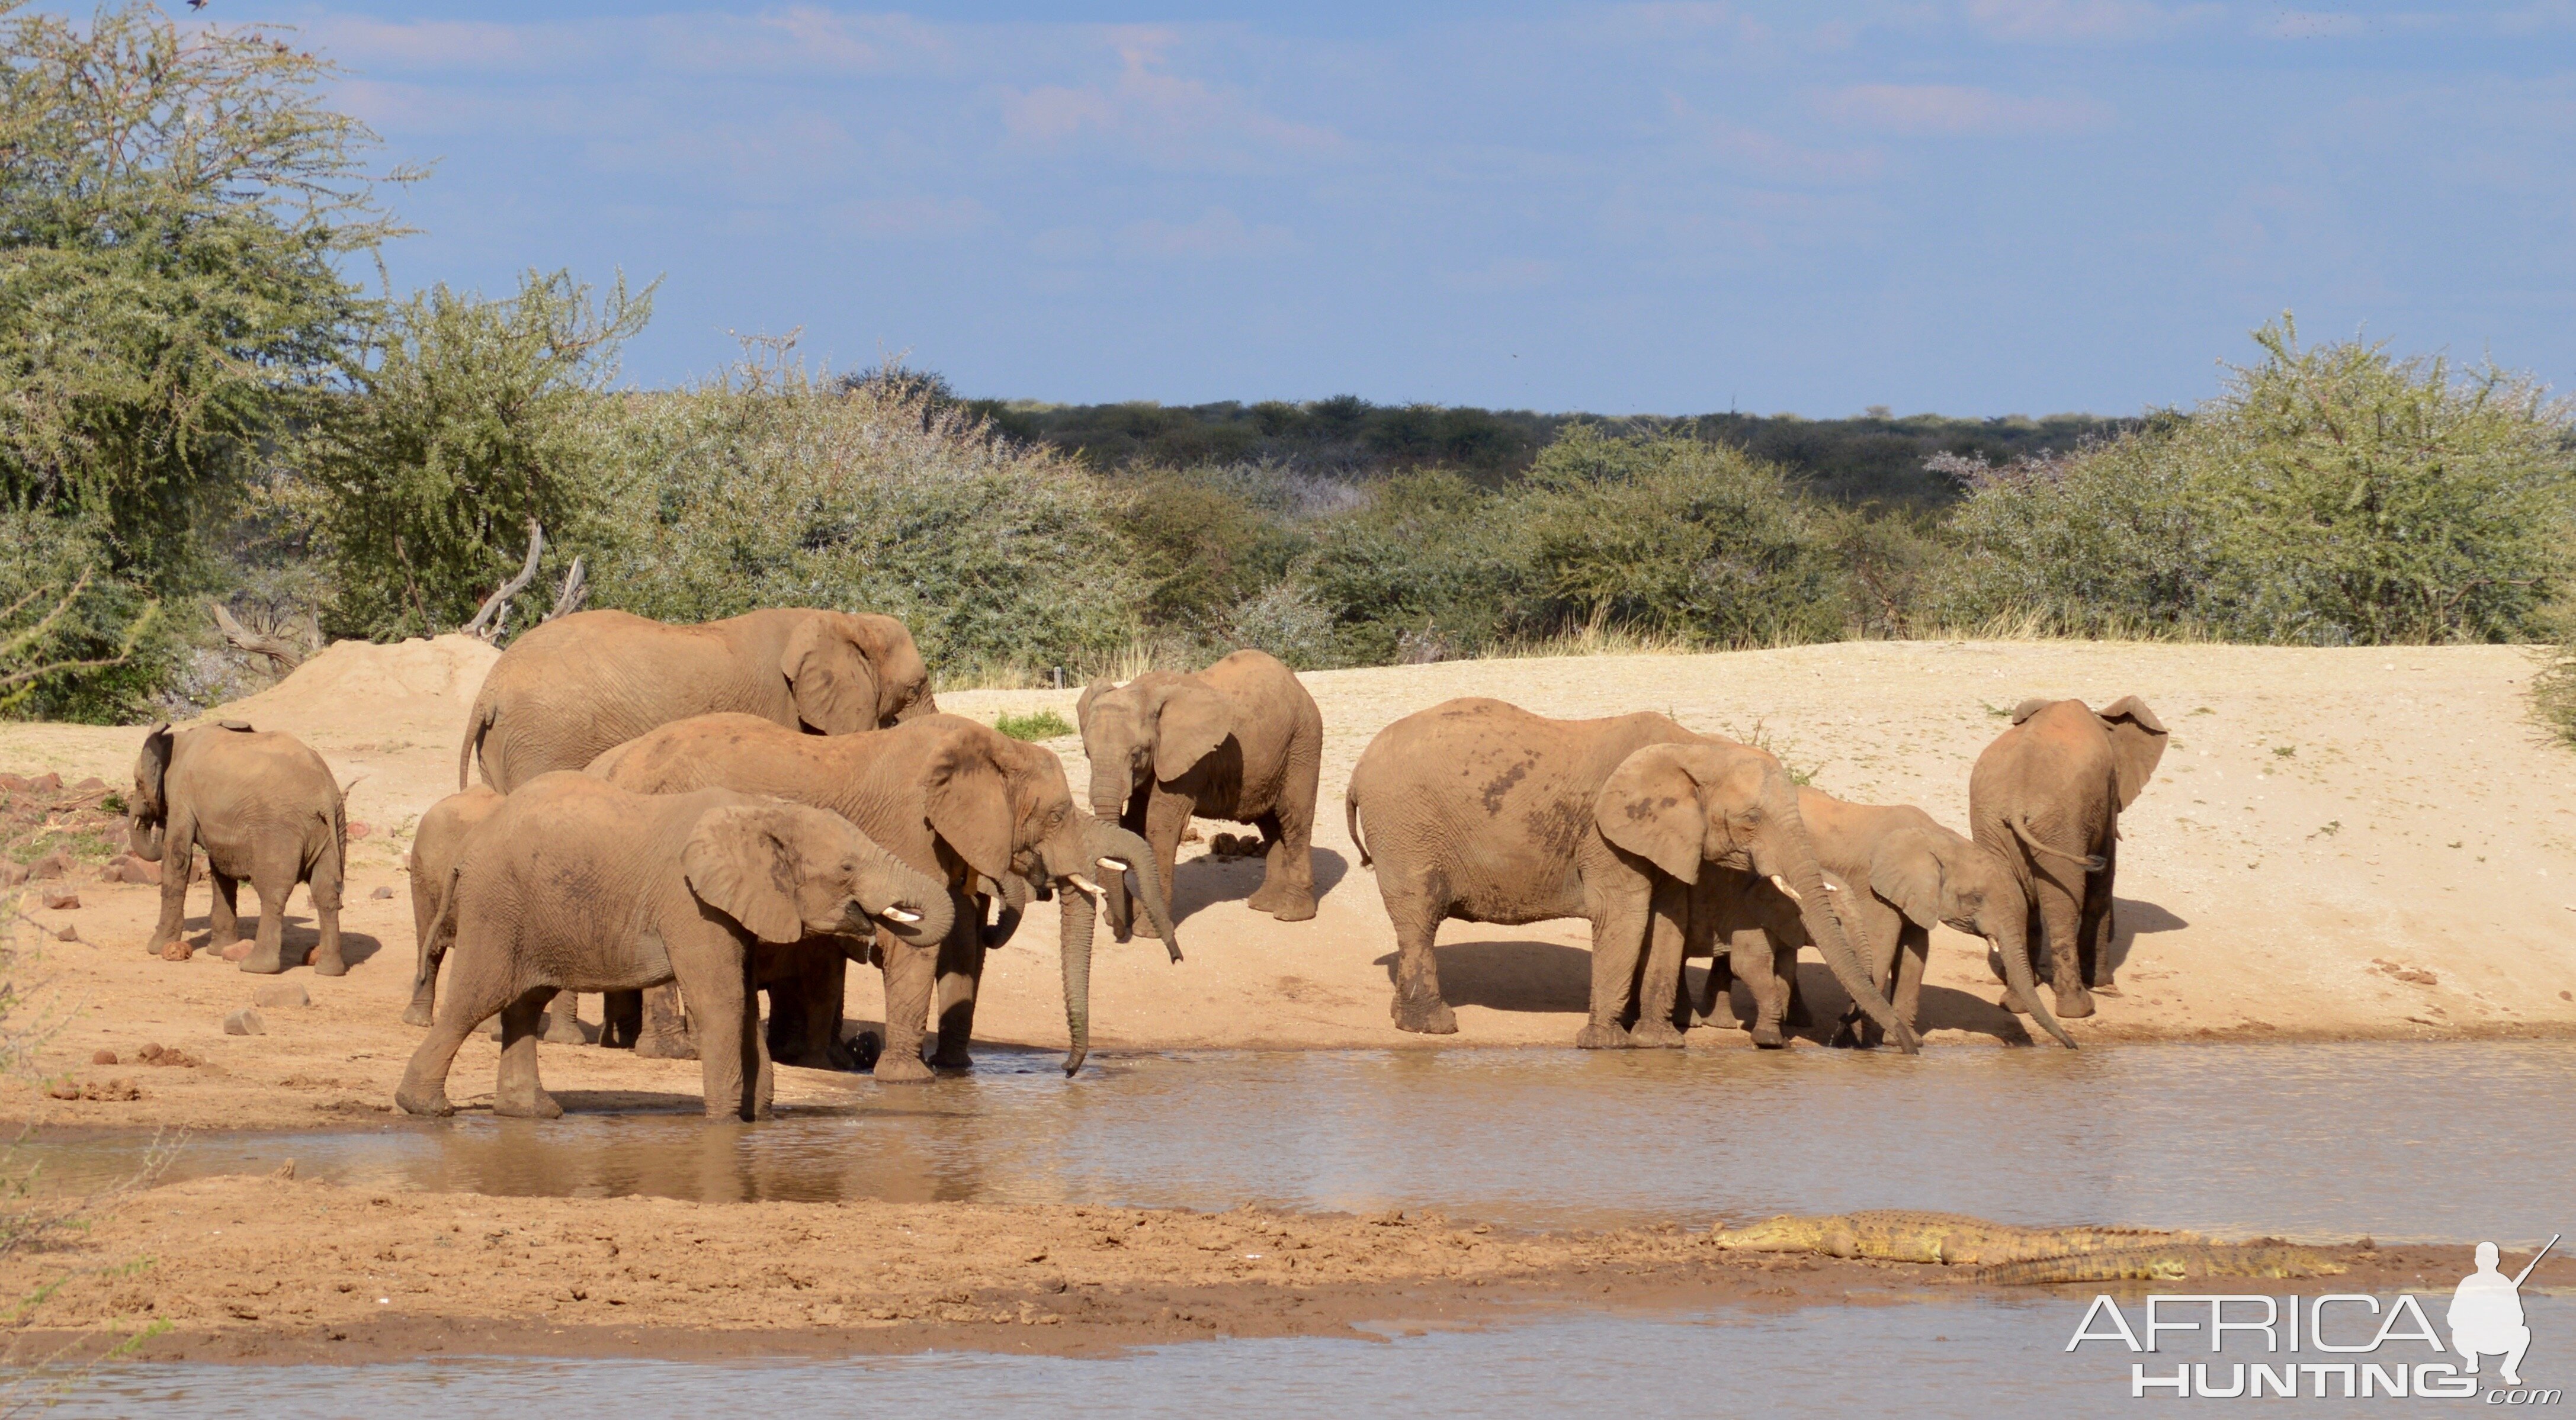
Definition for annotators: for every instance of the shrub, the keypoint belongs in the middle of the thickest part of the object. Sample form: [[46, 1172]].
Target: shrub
[[77, 641], [2328, 496], [1044, 725]]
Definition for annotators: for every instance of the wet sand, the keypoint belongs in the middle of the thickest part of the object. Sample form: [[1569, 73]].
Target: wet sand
[[280, 1271]]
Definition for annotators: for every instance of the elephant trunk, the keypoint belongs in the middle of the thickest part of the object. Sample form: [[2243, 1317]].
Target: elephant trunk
[[1107, 808], [1806, 878], [1015, 894], [143, 838], [2017, 972], [1078, 910], [1107, 841], [906, 901]]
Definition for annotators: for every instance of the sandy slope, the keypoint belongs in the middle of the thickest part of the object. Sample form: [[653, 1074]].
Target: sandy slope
[[2320, 812]]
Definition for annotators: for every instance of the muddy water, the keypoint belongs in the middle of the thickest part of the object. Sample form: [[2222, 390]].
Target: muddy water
[[1975, 1362], [2419, 1142]]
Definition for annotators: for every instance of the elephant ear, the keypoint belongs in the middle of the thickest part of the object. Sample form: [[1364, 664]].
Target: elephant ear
[[740, 860], [834, 684], [1191, 722], [1651, 807], [2137, 744], [2030, 707], [1906, 870], [152, 768], [1090, 693], [968, 801]]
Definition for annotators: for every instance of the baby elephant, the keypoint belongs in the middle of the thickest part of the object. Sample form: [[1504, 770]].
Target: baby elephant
[[575, 886], [264, 807]]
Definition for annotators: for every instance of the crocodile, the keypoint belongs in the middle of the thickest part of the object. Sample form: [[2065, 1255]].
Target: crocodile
[[2169, 1263], [1905, 1235]]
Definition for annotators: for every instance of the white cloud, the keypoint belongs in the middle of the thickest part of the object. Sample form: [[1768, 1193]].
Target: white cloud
[[1957, 109], [1215, 233], [2084, 21], [1165, 116]]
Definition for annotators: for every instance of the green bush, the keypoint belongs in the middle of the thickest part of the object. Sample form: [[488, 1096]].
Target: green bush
[[1044, 725], [2329, 496], [77, 641], [766, 487]]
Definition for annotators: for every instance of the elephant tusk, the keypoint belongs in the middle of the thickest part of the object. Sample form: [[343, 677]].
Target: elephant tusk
[[1086, 884], [1114, 865], [899, 915], [1782, 884]]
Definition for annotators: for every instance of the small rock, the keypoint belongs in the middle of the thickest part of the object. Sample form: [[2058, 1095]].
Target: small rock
[[12, 873], [287, 1169], [91, 785], [359, 830], [59, 899], [67, 933], [102, 1057], [381, 893], [245, 1022], [45, 783], [63, 1090], [282, 993], [151, 1051], [12, 783], [236, 951], [126, 868], [52, 865]]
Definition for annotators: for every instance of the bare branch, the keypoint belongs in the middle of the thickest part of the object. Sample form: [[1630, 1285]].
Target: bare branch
[[487, 621], [570, 596], [281, 653]]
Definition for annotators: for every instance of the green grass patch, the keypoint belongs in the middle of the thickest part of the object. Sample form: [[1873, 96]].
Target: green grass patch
[[1044, 725]]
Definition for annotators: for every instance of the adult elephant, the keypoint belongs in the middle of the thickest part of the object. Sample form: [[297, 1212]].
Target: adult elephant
[[1897, 872], [957, 801], [1480, 810], [2046, 797], [573, 885], [569, 690], [1241, 740], [265, 808]]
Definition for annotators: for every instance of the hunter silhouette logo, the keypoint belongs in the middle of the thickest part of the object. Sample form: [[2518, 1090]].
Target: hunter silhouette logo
[[2486, 1313]]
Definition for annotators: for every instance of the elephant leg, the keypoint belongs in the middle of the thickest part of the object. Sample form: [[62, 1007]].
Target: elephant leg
[[805, 1009], [1659, 982], [665, 1034], [2060, 911], [223, 913], [424, 989], [2094, 937], [1882, 935], [621, 1019], [563, 1021], [961, 970], [178, 850], [1749, 949], [1701, 939], [911, 972], [724, 1010], [324, 888], [1417, 1006], [1784, 969], [1167, 818], [1915, 950], [1287, 889], [1621, 919], [273, 881], [471, 1000], [518, 1095]]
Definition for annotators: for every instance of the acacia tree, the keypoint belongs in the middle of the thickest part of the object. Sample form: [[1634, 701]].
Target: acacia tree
[[175, 210]]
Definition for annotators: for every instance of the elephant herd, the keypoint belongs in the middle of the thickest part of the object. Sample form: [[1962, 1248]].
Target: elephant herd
[[682, 818]]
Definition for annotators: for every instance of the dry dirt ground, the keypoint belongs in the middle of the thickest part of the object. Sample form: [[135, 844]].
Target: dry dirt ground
[[280, 1271], [2340, 844]]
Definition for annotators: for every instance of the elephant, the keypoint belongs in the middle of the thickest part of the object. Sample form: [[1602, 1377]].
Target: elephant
[[265, 808], [1241, 740], [574, 884], [1480, 810], [2046, 797], [956, 800], [1894, 872], [437, 845], [573, 688]]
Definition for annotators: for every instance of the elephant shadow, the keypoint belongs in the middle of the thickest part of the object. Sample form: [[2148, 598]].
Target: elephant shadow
[[2130, 919], [1940, 1008], [1204, 880], [1511, 976], [297, 937]]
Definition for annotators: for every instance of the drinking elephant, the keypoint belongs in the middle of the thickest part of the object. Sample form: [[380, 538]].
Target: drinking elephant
[[265, 808], [1241, 740], [2046, 797], [1481, 810], [575, 885], [572, 688], [1894, 872], [958, 801]]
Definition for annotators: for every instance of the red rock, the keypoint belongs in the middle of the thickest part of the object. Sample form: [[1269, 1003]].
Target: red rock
[[359, 830], [52, 865], [45, 783], [12, 874], [12, 783], [236, 951], [61, 899], [126, 868], [91, 785], [102, 1057]]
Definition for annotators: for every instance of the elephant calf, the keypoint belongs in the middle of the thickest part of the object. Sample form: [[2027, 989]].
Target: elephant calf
[[573, 885], [265, 808]]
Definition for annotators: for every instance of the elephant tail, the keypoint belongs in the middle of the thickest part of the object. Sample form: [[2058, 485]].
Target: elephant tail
[[1351, 821], [2093, 863], [428, 950], [478, 723]]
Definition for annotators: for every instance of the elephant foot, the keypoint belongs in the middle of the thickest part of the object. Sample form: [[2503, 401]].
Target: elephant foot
[[2074, 1005], [1857, 1034], [431, 1101], [563, 1028], [1766, 1035], [655, 1046], [329, 964], [2106, 988], [259, 963], [417, 1014], [944, 1058], [1284, 904], [1600, 1036], [1657, 1035], [901, 1067], [177, 951], [1424, 1017], [536, 1104]]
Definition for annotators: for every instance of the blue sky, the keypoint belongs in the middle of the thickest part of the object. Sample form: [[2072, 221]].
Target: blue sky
[[1976, 207]]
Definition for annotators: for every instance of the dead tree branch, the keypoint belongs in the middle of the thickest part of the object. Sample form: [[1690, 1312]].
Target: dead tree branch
[[574, 591], [487, 621], [281, 653]]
